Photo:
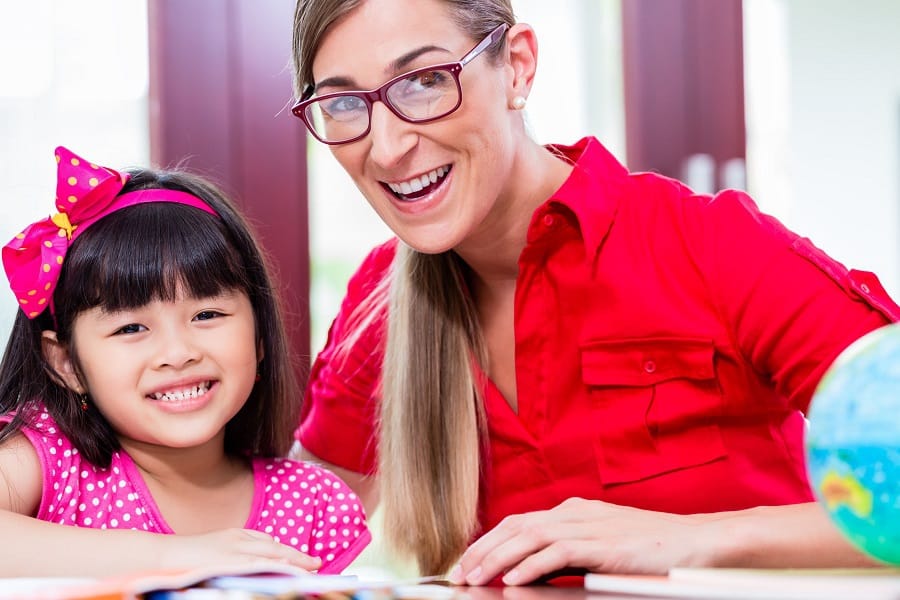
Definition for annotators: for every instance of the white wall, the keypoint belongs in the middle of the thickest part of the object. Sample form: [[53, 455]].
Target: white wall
[[824, 124], [73, 74]]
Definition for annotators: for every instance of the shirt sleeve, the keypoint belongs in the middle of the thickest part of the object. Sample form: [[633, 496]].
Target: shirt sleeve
[[791, 308], [337, 420]]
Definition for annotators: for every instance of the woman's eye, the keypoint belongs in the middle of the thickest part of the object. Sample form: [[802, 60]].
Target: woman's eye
[[422, 86], [343, 105], [207, 315], [429, 79], [130, 328]]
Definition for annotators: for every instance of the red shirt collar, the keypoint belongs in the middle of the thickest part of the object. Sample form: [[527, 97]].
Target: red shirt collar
[[593, 189]]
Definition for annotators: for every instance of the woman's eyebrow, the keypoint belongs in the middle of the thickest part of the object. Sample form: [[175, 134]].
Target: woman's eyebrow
[[401, 63], [396, 66]]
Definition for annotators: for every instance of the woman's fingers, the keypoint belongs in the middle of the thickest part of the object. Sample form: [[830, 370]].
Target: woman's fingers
[[515, 538], [554, 559], [585, 534]]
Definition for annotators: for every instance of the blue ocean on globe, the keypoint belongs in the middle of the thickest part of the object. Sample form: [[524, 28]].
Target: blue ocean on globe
[[853, 443]]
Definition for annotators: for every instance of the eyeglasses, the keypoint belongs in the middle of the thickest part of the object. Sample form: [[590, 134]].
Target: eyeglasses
[[419, 96]]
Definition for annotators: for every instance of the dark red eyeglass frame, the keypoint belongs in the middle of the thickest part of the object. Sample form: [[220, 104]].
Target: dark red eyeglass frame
[[380, 94]]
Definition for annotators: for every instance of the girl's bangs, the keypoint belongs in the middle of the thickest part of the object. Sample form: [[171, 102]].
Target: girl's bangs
[[148, 252]]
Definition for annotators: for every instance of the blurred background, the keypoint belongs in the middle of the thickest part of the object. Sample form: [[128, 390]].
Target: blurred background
[[797, 101]]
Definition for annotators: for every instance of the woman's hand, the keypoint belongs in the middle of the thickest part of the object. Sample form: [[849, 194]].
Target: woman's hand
[[230, 547], [587, 534], [600, 537]]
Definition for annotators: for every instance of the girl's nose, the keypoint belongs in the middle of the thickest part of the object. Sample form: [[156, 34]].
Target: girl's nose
[[176, 349], [390, 137]]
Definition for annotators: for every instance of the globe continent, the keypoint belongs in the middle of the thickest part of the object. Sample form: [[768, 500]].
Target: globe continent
[[853, 443]]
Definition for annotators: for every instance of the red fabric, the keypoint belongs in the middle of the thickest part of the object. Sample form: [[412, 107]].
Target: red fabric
[[667, 344]]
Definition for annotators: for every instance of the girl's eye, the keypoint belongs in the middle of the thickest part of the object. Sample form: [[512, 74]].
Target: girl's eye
[[130, 328], [207, 315]]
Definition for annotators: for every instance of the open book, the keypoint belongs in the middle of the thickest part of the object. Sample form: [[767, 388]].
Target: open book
[[250, 581]]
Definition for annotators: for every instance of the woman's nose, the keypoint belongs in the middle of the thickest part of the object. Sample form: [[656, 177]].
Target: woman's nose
[[390, 137]]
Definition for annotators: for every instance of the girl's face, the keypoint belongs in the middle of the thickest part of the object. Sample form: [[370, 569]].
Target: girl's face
[[468, 154], [169, 373]]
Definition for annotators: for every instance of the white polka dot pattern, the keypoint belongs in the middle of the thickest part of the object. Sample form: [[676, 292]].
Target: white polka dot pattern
[[298, 504]]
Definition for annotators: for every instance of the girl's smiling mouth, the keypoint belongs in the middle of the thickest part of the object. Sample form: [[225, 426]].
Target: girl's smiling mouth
[[188, 392]]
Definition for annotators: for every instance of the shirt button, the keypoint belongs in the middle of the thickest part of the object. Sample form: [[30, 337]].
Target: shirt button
[[549, 220], [864, 288], [649, 366]]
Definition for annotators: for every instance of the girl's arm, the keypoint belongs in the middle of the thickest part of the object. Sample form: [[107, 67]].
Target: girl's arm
[[49, 549]]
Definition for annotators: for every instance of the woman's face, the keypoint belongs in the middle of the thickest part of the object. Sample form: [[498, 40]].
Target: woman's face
[[465, 157]]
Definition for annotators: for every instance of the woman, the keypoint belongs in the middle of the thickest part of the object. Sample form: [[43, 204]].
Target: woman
[[571, 365]]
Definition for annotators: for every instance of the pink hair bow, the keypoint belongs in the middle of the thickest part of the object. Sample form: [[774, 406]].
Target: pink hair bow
[[85, 192], [33, 259]]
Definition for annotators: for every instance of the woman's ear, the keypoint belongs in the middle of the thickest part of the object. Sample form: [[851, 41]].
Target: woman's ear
[[522, 47], [57, 356]]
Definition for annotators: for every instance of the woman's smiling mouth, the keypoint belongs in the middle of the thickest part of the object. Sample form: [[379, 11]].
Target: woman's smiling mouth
[[418, 187]]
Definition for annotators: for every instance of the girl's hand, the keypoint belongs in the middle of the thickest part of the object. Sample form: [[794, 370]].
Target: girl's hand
[[230, 547], [587, 534]]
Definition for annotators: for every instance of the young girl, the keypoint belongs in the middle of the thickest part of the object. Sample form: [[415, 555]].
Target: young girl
[[146, 387]]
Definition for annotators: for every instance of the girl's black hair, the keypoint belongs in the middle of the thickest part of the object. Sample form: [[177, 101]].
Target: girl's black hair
[[134, 256]]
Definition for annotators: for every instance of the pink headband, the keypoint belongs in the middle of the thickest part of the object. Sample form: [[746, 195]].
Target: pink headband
[[85, 193]]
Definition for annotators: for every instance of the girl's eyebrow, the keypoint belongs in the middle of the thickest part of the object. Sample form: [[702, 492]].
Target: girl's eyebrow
[[396, 66]]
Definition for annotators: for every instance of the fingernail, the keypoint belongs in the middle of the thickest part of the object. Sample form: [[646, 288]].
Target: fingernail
[[511, 578], [473, 577], [455, 575]]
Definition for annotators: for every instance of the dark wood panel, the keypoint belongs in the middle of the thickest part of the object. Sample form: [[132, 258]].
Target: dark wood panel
[[220, 87], [684, 82]]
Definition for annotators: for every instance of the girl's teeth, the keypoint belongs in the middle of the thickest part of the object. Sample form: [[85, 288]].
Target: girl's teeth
[[183, 394]]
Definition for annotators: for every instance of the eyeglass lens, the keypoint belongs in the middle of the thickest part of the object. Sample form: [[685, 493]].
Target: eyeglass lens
[[417, 96]]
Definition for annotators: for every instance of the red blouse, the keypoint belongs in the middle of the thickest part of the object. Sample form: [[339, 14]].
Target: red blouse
[[667, 345]]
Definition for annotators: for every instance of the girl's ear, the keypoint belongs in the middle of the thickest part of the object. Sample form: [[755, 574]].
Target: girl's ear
[[57, 356], [522, 46]]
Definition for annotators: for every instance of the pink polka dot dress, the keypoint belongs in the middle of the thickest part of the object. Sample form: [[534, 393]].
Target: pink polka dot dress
[[297, 503]]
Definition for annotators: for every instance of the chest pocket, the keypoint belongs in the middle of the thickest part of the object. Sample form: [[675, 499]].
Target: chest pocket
[[655, 402]]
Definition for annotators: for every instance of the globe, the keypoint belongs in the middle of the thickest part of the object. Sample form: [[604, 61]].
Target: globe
[[853, 443]]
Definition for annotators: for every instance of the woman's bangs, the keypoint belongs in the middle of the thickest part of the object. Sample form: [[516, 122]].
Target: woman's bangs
[[149, 252]]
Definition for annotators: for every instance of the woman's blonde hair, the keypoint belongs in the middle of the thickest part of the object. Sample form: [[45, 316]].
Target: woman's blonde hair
[[432, 425]]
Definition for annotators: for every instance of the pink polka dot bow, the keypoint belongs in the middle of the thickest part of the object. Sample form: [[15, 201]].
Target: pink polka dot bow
[[85, 193]]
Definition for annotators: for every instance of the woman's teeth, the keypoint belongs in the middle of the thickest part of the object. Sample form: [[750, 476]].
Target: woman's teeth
[[182, 394], [419, 186]]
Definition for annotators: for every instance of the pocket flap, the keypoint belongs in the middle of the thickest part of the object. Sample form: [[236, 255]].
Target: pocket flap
[[646, 361]]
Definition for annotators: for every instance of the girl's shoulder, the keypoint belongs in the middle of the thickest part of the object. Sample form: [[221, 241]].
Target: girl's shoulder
[[74, 491], [43, 432], [283, 479]]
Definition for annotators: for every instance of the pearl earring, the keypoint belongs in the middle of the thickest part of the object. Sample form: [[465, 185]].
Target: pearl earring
[[518, 102]]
